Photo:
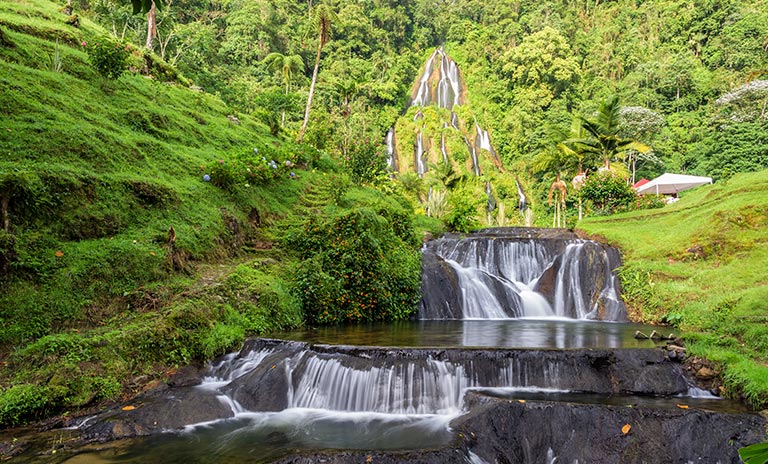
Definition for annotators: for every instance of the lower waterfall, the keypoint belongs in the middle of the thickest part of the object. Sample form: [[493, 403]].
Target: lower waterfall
[[508, 273]]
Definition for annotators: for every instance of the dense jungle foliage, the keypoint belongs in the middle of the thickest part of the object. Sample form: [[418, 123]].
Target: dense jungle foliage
[[157, 208], [689, 75]]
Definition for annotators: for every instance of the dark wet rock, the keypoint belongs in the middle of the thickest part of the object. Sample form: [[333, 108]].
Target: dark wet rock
[[675, 352], [186, 376], [440, 290], [444, 456], [539, 431], [12, 448], [157, 411], [564, 267]]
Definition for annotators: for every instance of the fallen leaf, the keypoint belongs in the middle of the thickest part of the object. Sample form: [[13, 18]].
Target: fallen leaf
[[152, 253], [682, 406], [59, 253], [129, 408], [625, 430]]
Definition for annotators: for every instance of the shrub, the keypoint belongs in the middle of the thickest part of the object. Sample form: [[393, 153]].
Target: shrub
[[110, 58], [365, 161], [607, 192], [355, 268], [462, 211], [256, 166], [25, 402]]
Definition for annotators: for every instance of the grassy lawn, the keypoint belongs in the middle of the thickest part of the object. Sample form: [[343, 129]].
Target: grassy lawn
[[700, 264]]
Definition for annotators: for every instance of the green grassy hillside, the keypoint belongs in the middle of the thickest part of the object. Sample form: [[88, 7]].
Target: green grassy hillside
[[107, 220], [700, 264], [144, 225]]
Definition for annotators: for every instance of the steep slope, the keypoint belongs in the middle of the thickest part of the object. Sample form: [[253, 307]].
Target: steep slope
[[112, 191]]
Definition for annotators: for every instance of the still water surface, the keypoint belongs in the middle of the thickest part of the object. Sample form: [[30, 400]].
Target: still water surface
[[551, 333]]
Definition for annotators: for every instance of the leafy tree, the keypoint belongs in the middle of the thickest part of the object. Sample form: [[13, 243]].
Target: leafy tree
[[272, 107], [288, 66], [143, 6], [543, 63]]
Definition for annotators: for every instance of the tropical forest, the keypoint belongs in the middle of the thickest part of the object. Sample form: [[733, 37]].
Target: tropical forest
[[383, 231]]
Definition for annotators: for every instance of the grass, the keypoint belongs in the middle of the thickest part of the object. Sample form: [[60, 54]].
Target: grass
[[96, 173], [121, 261], [700, 264]]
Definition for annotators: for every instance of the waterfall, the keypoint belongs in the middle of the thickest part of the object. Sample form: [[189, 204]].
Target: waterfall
[[391, 153], [484, 141], [442, 144], [501, 274], [419, 152], [387, 381], [473, 153], [448, 83], [423, 93], [449, 86]]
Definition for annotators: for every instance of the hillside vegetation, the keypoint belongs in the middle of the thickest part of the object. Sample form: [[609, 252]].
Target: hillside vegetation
[[147, 225], [699, 264]]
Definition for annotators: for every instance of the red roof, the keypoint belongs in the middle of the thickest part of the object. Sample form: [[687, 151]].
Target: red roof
[[640, 183]]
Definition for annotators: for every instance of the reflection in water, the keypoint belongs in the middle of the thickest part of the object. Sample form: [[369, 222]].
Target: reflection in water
[[263, 437], [551, 333]]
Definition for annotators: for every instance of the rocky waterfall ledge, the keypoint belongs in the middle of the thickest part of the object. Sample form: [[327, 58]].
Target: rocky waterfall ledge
[[520, 272]]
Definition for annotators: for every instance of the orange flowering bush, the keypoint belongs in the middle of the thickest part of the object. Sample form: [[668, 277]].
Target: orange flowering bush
[[360, 266]]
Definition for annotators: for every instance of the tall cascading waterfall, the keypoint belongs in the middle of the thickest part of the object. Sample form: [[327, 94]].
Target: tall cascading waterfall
[[441, 85], [515, 272]]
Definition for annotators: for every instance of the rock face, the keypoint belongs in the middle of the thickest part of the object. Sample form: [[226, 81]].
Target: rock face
[[272, 375], [510, 431], [575, 408], [520, 272]]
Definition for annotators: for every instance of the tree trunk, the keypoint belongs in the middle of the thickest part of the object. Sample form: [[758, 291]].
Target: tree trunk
[[151, 25], [282, 117], [311, 91]]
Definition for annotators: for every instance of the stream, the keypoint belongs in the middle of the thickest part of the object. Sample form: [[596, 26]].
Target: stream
[[521, 353]]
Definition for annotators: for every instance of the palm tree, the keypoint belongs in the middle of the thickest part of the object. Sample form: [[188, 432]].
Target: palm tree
[[324, 18], [604, 139], [288, 65]]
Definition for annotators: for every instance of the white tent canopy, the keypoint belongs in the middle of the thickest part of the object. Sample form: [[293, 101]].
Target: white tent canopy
[[672, 183]]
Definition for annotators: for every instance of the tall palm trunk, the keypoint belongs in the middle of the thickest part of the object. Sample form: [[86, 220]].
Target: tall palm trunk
[[311, 91], [151, 25]]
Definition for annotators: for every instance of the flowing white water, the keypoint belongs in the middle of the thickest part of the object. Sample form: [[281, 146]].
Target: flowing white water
[[449, 86], [423, 94], [419, 152], [231, 367], [442, 144], [391, 158], [484, 140], [500, 278], [473, 153]]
